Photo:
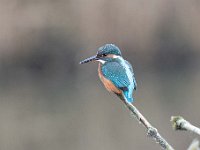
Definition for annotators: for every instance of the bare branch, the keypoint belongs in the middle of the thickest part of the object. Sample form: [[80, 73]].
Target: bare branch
[[179, 123], [194, 145], [151, 131]]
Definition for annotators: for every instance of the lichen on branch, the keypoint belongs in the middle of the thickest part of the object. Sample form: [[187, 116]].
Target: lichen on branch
[[151, 131], [179, 123]]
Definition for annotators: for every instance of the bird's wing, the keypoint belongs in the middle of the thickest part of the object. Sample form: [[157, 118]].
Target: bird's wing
[[116, 73], [131, 69]]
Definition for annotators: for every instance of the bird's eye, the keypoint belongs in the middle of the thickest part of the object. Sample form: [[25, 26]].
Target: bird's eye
[[103, 55]]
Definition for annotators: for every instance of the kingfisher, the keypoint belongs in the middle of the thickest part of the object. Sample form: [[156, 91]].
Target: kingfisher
[[115, 72]]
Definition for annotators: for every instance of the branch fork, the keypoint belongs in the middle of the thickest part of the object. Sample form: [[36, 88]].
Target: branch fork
[[151, 131]]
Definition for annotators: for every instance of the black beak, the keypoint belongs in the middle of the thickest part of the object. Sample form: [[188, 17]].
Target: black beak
[[89, 59]]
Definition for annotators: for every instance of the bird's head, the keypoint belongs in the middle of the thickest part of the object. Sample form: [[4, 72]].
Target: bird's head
[[104, 54]]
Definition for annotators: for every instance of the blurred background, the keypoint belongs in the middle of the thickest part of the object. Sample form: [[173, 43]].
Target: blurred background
[[48, 101]]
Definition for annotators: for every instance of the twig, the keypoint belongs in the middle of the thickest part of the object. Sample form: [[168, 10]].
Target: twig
[[151, 131], [179, 123], [194, 145]]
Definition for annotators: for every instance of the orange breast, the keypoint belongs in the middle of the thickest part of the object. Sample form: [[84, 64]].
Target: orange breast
[[107, 83]]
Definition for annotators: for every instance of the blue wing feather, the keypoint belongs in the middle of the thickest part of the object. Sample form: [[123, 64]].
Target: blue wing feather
[[117, 74], [131, 69]]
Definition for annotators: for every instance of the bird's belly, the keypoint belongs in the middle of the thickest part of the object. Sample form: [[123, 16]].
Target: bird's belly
[[107, 83]]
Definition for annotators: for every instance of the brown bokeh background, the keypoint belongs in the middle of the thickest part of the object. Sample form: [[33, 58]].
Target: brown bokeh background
[[48, 101]]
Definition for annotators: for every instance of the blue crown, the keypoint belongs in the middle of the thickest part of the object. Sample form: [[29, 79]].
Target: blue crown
[[109, 49]]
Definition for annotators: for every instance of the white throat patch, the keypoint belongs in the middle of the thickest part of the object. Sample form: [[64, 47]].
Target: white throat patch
[[101, 61], [115, 56]]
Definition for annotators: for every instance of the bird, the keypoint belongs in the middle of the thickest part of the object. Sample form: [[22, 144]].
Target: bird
[[114, 71]]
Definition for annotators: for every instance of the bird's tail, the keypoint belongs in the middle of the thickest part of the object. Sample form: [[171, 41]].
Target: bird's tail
[[127, 97], [130, 100], [124, 97]]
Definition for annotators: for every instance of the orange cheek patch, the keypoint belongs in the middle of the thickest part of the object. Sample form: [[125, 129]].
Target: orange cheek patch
[[110, 56], [107, 83]]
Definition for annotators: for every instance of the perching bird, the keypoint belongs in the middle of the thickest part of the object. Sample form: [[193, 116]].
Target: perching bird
[[115, 72]]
